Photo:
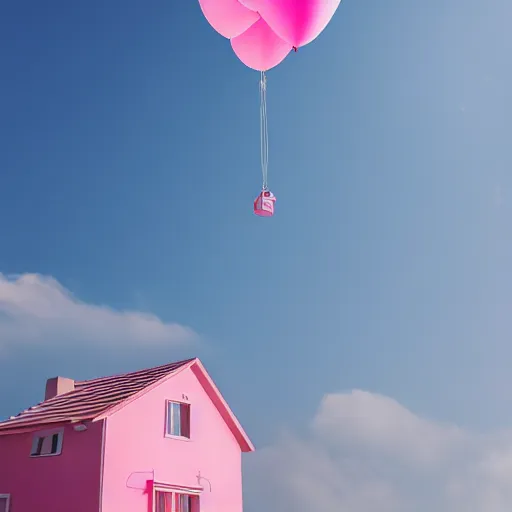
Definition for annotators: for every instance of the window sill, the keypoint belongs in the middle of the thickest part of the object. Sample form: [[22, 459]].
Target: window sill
[[44, 455], [178, 438]]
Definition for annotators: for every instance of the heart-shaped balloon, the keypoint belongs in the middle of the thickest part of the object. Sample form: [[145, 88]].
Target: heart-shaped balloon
[[259, 47], [296, 21], [228, 17]]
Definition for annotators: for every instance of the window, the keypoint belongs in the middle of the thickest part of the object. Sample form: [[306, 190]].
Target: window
[[184, 502], [46, 444], [178, 419], [176, 502], [4, 502]]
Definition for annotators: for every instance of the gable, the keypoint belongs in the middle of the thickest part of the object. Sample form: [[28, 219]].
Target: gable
[[199, 372]]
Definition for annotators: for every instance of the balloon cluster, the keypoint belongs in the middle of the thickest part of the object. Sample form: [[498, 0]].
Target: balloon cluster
[[263, 32]]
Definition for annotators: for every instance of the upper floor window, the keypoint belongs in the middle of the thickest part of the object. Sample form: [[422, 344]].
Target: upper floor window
[[46, 444], [178, 419]]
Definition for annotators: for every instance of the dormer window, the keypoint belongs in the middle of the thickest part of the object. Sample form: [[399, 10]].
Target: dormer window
[[178, 419], [46, 444]]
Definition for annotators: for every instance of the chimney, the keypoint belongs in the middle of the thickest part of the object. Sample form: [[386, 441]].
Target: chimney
[[58, 386]]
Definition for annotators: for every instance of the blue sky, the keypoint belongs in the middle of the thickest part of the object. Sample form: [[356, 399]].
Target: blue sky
[[129, 160]]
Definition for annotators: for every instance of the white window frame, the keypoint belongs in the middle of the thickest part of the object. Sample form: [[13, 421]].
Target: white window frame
[[7, 497], [44, 434], [169, 419]]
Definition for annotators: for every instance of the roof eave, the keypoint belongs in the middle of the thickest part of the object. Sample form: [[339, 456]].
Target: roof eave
[[32, 428], [215, 395]]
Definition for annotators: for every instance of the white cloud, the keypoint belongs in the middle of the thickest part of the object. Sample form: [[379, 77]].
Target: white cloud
[[35, 309], [365, 452]]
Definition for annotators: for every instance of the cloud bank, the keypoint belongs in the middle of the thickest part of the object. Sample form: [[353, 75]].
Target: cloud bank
[[366, 453], [35, 309]]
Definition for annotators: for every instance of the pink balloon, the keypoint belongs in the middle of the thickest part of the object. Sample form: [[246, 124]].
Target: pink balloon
[[260, 48], [228, 17], [296, 21]]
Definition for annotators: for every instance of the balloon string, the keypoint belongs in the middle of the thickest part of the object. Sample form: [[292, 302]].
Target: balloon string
[[264, 129]]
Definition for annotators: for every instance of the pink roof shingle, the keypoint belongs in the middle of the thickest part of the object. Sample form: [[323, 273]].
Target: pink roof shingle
[[90, 398]]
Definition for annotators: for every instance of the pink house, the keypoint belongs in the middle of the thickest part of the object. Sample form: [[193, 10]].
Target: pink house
[[156, 440]]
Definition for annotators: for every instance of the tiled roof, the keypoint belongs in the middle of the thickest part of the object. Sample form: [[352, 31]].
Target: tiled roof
[[90, 398]]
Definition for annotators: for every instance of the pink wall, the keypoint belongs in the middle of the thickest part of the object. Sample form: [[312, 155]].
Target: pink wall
[[135, 446], [52, 484]]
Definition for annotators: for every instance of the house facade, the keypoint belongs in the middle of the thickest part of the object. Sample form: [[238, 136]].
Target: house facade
[[157, 440]]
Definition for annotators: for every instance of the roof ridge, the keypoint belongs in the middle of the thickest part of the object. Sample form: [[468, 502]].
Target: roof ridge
[[142, 370]]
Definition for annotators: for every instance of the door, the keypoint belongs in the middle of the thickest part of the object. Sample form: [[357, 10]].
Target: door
[[4, 502]]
